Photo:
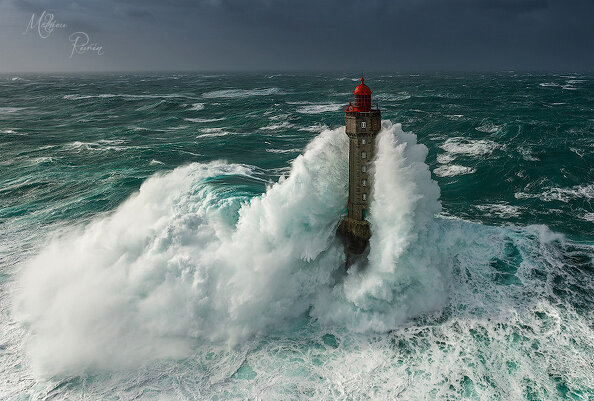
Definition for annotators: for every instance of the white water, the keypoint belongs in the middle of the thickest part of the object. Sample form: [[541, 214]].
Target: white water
[[242, 93], [407, 273], [183, 270], [170, 266]]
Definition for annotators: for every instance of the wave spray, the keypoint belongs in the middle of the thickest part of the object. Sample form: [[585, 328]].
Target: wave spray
[[185, 261]]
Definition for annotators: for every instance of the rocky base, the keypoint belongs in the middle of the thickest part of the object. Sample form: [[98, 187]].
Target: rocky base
[[355, 235]]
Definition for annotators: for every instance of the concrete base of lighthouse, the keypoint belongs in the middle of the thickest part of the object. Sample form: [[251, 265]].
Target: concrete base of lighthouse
[[355, 235]]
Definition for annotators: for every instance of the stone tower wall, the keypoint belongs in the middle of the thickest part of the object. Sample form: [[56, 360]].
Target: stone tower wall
[[362, 129]]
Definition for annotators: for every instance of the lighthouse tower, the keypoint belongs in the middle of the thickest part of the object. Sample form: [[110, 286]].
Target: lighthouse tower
[[362, 125]]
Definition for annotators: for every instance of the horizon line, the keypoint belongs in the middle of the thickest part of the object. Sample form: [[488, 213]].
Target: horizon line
[[299, 71]]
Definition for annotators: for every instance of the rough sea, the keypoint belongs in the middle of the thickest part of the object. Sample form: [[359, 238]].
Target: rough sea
[[172, 236]]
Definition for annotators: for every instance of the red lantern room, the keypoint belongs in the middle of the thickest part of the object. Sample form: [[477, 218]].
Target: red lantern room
[[362, 98]]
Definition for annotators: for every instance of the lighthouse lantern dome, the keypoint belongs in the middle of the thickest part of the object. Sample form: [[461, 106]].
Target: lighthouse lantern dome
[[362, 98]]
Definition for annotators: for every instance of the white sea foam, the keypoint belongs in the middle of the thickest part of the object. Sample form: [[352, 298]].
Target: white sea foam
[[204, 120], [389, 97], [46, 159], [10, 110], [319, 108], [445, 158], [241, 93], [469, 147], [78, 97], [277, 126], [100, 145], [126, 96], [502, 210], [197, 106], [81, 145], [489, 128], [528, 154], [214, 132], [588, 217], [274, 116], [294, 150], [561, 194], [452, 170], [314, 128], [549, 84]]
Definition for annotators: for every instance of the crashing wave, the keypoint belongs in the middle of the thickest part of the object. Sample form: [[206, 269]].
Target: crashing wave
[[179, 262]]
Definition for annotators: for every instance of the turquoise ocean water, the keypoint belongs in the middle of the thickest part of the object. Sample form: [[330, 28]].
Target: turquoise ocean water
[[171, 236]]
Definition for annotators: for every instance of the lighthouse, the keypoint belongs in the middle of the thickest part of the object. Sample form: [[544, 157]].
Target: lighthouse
[[363, 123]]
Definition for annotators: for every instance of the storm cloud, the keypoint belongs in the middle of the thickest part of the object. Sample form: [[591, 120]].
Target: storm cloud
[[272, 35]]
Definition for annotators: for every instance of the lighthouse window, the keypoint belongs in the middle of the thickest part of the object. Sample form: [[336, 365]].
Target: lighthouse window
[[363, 124], [363, 155], [364, 196], [363, 168], [364, 183]]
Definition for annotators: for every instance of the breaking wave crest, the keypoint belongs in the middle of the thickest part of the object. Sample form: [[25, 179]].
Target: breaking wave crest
[[182, 261]]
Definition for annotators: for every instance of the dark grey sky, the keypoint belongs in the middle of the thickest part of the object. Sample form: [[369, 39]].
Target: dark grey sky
[[271, 35]]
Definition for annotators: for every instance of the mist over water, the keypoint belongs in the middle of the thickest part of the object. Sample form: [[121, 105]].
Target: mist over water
[[170, 265]]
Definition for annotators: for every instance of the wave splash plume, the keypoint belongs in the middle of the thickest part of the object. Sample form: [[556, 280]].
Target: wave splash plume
[[182, 262], [406, 273], [200, 291]]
